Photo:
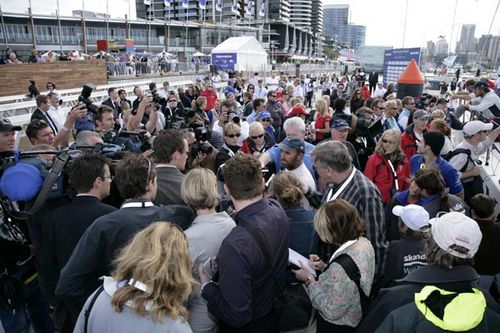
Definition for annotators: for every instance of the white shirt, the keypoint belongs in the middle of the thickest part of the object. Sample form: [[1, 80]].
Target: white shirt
[[490, 100], [305, 176], [260, 92], [298, 91], [57, 116], [379, 92], [458, 161], [272, 83]]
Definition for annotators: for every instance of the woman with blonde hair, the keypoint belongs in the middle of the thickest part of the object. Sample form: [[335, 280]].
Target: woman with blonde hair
[[388, 168], [322, 120], [287, 189], [336, 297], [205, 235], [148, 289], [232, 133], [258, 141], [389, 118]]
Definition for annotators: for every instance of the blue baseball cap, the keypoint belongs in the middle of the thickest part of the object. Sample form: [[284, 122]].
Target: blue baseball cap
[[229, 91], [21, 182], [264, 115], [339, 124], [293, 142]]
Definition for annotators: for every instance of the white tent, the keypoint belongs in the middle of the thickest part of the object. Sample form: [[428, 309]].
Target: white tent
[[240, 53]]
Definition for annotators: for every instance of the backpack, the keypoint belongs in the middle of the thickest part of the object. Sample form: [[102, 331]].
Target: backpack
[[455, 152]]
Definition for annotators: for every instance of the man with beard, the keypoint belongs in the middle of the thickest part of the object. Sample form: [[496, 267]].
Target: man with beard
[[292, 159]]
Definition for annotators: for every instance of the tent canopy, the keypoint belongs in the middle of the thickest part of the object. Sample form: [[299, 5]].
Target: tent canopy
[[240, 53], [246, 44]]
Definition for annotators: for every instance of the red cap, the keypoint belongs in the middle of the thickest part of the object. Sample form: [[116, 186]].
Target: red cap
[[297, 110]]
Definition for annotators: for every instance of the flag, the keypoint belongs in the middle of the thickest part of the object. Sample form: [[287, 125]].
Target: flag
[[218, 6], [449, 61], [248, 8], [234, 7], [147, 2], [262, 11], [185, 4], [203, 4]]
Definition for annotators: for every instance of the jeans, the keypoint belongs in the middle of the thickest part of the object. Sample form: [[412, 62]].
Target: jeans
[[34, 311]]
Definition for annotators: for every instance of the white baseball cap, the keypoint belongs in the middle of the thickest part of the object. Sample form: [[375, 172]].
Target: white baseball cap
[[453, 230], [414, 216], [476, 126]]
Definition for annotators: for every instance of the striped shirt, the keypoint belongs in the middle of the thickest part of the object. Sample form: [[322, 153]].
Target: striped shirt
[[364, 195]]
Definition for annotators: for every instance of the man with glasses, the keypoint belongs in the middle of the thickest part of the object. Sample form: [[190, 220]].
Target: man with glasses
[[414, 133], [93, 255], [91, 177], [408, 107], [477, 140]]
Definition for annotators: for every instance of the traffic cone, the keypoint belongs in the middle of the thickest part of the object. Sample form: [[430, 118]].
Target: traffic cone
[[411, 82]]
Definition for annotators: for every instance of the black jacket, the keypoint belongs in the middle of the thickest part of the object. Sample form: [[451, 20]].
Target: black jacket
[[62, 229], [397, 309], [97, 248]]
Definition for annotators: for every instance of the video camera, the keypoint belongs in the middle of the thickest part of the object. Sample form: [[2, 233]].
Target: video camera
[[136, 142], [201, 144]]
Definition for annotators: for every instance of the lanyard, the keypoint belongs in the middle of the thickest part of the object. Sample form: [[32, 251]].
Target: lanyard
[[332, 196], [142, 204], [394, 174]]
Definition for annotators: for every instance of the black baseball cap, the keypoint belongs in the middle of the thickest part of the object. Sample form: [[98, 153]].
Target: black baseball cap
[[6, 125]]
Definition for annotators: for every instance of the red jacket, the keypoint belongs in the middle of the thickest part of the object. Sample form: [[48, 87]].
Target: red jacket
[[408, 143], [379, 172], [211, 96]]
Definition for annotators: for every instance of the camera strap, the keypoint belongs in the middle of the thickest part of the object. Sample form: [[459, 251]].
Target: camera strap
[[56, 169]]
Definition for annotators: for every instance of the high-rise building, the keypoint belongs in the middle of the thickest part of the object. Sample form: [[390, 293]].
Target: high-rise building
[[356, 36], [430, 49], [301, 13], [337, 27], [279, 10], [441, 46], [317, 16], [467, 42], [494, 51], [335, 18]]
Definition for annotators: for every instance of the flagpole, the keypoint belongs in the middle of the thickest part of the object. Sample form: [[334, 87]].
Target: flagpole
[[59, 27], [4, 31], [84, 29]]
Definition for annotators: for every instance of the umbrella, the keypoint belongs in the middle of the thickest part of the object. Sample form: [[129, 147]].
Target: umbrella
[[199, 54]]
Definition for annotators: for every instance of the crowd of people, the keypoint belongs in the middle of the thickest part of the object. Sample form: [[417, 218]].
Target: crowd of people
[[193, 232]]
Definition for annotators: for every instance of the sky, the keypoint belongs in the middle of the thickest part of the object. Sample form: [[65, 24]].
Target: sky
[[384, 19]]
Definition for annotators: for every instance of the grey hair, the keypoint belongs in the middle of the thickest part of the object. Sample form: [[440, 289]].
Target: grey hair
[[84, 138], [439, 257], [294, 122], [332, 154]]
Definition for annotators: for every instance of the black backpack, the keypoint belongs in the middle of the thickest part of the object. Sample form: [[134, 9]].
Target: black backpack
[[455, 152]]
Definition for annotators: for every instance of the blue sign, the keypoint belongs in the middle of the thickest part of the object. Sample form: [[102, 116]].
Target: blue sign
[[224, 61], [395, 62]]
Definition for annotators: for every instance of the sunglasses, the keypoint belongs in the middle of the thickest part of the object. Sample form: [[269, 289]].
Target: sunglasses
[[257, 136], [236, 135], [172, 100], [267, 120], [387, 141]]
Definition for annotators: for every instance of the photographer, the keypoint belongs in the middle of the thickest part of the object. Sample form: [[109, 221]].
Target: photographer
[[20, 292], [227, 114], [40, 132], [172, 112], [145, 117]]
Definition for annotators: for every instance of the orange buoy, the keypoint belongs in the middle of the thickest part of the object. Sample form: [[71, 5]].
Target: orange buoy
[[411, 81]]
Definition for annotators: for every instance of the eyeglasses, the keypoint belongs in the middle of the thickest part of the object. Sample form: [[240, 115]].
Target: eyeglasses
[[110, 177], [387, 141], [257, 136], [235, 135], [267, 120]]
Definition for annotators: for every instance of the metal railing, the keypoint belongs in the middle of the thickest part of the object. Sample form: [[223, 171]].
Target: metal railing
[[117, 69]]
